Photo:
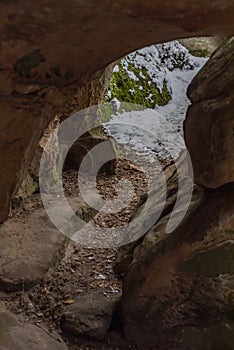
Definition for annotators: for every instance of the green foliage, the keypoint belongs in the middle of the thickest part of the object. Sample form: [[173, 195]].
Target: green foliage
[[141, 90], [200, 53], [175, 56]]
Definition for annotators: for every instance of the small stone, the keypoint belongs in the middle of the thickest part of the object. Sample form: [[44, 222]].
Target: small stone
[[90, 316], [101, 277]]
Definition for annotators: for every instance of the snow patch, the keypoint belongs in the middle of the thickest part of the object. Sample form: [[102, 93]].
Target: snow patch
[[158, 132]]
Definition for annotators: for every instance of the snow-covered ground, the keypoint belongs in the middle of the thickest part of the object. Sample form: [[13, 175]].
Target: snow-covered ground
[[159, 132]]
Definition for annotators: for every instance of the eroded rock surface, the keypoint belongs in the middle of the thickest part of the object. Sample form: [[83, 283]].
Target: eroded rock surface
[[158, 205], [209, 122], [184, 279], [90, 94], [49, 50], [16, 334], [90, 316], [29, 249], [82, 148], [30, 183], [203, 46]]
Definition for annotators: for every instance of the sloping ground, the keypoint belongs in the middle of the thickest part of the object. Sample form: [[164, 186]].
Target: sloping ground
[[82, 271], [143, 78]]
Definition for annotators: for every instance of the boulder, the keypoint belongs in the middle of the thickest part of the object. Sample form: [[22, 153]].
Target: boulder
[[209, 123], [90, 316], [157, 201], [82, 148], [184, 279], [160, 201], [16, 334], [30, 248]]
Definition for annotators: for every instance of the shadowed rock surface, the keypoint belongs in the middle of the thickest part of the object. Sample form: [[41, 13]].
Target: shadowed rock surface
[[49, 50], [17, 334], [184, 278], [178, 287], [29, 249], [157, 202], [90, 94], [209, 123], [90, 316]]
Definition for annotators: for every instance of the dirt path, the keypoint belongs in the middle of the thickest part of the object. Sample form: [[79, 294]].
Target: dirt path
[[82, 270]]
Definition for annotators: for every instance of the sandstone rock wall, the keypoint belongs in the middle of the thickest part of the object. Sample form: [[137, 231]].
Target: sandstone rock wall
[[203, 46], [90, 94], [50, 49], [209, 122], [30, 183], [178, 287]]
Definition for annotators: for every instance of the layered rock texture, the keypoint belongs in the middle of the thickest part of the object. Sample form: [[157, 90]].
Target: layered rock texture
[[30, 183], [203, 46], [30, 248], [178, 287], [49, 50], [92, 93], [17, 334], [209, 123], [90, 316]]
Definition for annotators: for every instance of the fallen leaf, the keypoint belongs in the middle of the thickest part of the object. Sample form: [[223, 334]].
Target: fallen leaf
[[68, 302]]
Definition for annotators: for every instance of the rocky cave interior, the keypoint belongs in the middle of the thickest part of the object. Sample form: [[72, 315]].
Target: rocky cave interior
[[170, 291]]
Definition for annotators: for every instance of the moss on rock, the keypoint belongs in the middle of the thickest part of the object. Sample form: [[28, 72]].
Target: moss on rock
[[140, 78], [143, 77], [138, 88], [200, 53]]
